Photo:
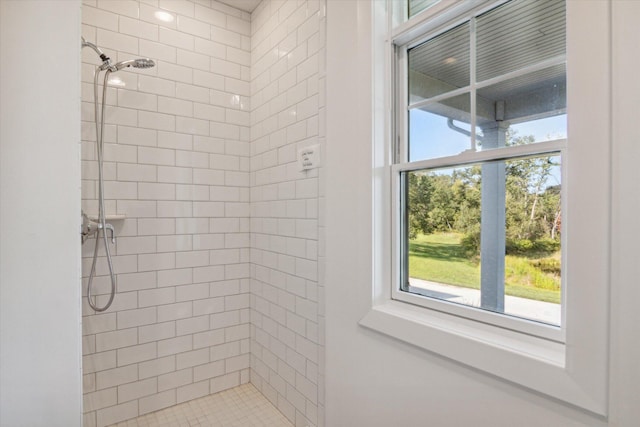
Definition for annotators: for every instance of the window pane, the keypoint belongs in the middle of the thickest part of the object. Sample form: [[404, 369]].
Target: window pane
[[535, 102], [439, 65], [496, 248], [417, 6], [518, 34], [440, 129]]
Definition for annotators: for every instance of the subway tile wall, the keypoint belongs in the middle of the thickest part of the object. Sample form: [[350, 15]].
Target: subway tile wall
[[177, 168], [287, 327]]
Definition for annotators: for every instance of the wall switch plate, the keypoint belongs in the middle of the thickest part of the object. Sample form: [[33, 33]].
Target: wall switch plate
[[309, 157]]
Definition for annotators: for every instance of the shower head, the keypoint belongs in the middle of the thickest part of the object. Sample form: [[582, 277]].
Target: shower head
[[135, 63]]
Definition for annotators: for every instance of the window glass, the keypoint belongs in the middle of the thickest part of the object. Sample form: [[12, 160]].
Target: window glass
[[518, 34], [445, 210], [439, 65], [536, 102], [417, 6], [440, 129]]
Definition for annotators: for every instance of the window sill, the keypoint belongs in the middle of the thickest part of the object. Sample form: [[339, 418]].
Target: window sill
[[528, 361]]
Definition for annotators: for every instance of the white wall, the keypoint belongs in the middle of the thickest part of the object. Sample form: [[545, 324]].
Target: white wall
[[373, 380], [39, 214]]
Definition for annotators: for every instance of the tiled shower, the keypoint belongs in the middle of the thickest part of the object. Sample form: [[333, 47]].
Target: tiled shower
[[218, 232]]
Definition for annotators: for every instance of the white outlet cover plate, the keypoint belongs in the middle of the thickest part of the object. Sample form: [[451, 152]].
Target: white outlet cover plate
[[309, 157]]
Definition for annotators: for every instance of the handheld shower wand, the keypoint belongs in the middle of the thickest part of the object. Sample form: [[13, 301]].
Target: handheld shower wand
[[102, 225]]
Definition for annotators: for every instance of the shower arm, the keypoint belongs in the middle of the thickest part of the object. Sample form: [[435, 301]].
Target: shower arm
[[106, 61]]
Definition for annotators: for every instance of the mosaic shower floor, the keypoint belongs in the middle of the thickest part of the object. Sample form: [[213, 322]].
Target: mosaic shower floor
[[242, 406]]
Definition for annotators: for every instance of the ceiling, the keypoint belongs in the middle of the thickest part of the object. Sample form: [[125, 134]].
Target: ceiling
[[246, 5]]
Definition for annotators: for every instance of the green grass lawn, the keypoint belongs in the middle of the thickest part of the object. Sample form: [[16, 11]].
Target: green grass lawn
[[441, 258]]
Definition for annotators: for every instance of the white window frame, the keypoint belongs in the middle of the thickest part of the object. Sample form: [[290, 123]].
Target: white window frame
[[570, 366]]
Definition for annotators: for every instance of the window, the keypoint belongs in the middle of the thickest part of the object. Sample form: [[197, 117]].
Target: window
[[480, 147], [496, 158]]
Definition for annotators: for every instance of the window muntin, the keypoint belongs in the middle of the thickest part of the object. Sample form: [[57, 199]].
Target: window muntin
[[509, 78]]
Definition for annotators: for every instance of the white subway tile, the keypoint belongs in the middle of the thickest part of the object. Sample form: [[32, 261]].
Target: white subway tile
[[224, 351], [226, 37], [176, 38], [174, 311], [178, 175], [209, 112], [174, 209], [136, 209], [224, 382], [208, 306], [121, 7], [175, 243], [192, 225], [175, 379], [175, 277], [156, 367], [98, 362], [157, 121], [155, 85], [120, 116], [192, 126], [156, 402], [226, 68], [192, 192], [179, 6], [115, 414], [136, 173], [139, 317], [157, 156], [137, 28], [156, 226], [156, 332], [135, 354], [116, 41], [137, 100], [192, 93], [209, 273], [99, 18], [210, 48], [208, 338], [138, 389], [192, 391], [192, 326], [116, 376], [192, 26], [208, 145], [157, 51], [154, 191], [211, 16], [192, 358], [175, 72], [155, 297], [174, 345], [208, 209], [223, 288], [148, 14], [192, 292], [209, 80], [209, 370], [116, 339], [207, 176], [120, 190], [208, 241], [136, 281], [177, 141], [98, 323], [224, 225], [192, 159], [192, 259], [99, 399], [136, 245], [176, 107]]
